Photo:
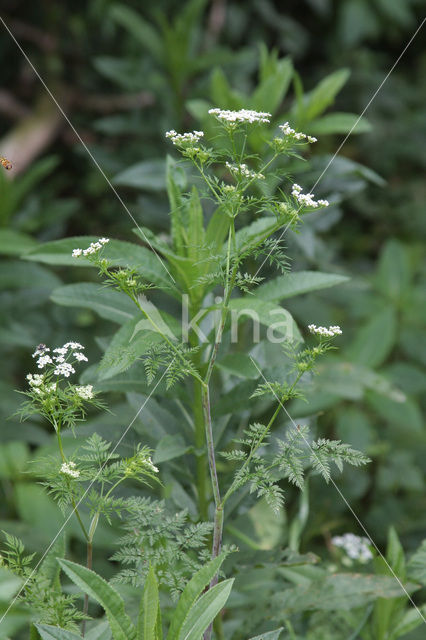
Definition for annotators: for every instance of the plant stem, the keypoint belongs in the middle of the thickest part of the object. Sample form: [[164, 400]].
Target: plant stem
[[89, 556]]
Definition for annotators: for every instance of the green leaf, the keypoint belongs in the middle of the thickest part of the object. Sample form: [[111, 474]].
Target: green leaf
[[294, 284], [375, 340], [139, 28], [239, 364], [393, 273], [148, 612], [411, 619], [15, 243], [204, 611], [47, 632], [149, 175], [405, 414], [338, 123], [170, 447], [317, 100], [416, 567], [108, 303], [272, 89], [59, 252], [269, 635], [341, 591], [190, 594], [100, 632], [278, 320], [9, 584], [97, 588]]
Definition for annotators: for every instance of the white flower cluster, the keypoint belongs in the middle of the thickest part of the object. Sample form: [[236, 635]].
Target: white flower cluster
[[36, 382], [243, 170], [85, 392], [151, 465], [61, 366], [184, 139], [307, 199], [243, 115], [69, 469], [94, 247], [297, 135], [355, 547], [333, 330]]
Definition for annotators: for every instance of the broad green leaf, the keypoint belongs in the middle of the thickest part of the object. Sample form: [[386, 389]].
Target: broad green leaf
[[341, 591], [97, 588], [269, 635], [195, 230], [14, 457], [15, 243], [9, 584], [149, 175], [175, 185], [170, 447], [190, 594], [128, 344], [139, 28], [221, 93], [393, 273], [204, 611], [16, 274], [271, 91], [100, 632], [294, 284], [411, 619], [148, 612], [317, 100], [416, 567], [108, 303], [338, 123], [47, 632], [404, 415], [255, 233], [239, 364], [217, 229], [375, 340], [119, 253], [278, 320]]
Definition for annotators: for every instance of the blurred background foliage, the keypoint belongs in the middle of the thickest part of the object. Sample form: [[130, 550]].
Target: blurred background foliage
[[124, 73]]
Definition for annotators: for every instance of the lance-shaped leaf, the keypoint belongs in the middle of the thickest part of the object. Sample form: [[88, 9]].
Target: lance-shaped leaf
[[97, 588], [205, 610]]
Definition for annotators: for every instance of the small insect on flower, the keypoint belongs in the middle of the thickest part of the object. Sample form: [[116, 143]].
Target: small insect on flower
[[6, 164]]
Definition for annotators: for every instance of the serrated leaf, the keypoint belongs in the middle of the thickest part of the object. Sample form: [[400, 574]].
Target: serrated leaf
[[48, 632], [204, 611], [148, 612], [108, 303], [338, 123], [279, 321], [190, 594], [295, 284], [97, 588]]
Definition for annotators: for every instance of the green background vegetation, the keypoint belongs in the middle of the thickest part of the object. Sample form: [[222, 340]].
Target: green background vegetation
[[124, 75]]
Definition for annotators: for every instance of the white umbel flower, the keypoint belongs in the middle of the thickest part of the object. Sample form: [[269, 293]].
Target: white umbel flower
[[329, 332], [85, 392], [243, 115], [297, 135], [184, 139], [94, 247], [69, 469], [35, 380], [355, 547], [64, 369], [243, 170], [307, 199]]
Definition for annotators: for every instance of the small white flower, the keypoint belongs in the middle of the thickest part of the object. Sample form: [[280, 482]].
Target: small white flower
[[94, 247], [104, 240], [355, 547], [69, 469], [330, 332], [64, 369], [41, 350], [76, 253], [151, 465], [184, 139], [73, 345], [35, 380], [297, 135], [59, 359], [43, 361], [61, 350], [243, 170], [80, 356], [243, 115], [307, 199], [85, 392]]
